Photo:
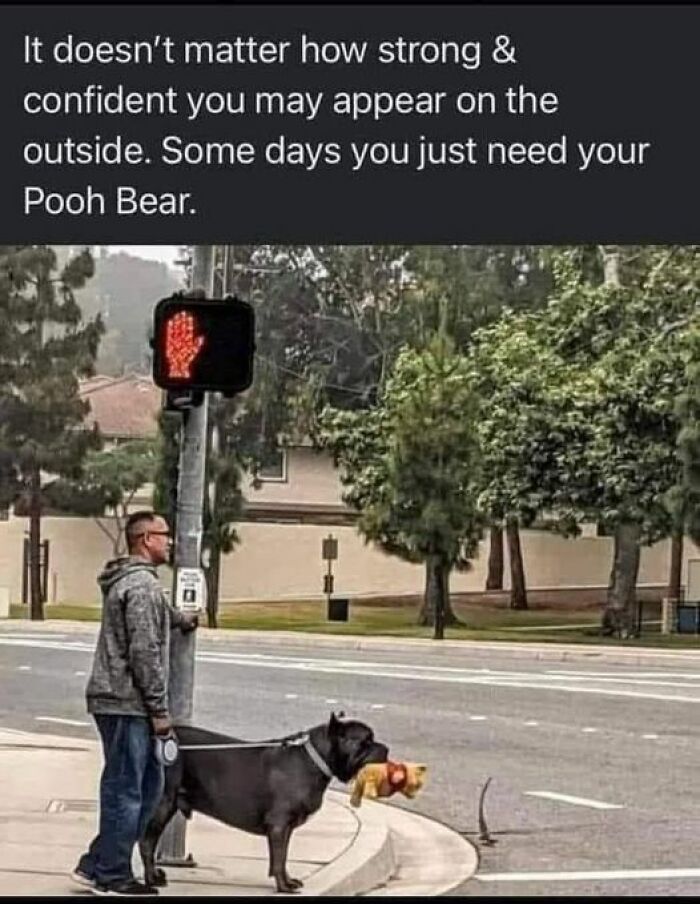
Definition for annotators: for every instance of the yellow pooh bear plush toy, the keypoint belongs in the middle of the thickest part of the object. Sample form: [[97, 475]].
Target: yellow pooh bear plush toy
[[385, 779]]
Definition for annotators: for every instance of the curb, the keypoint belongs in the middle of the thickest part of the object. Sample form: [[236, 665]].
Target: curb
[[433, 859], [368, 862]]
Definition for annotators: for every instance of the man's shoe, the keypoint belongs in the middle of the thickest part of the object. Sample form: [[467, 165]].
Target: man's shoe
[[126, 887], [82, 878]]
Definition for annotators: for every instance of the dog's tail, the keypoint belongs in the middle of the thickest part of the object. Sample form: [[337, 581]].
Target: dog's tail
[[484, 836]]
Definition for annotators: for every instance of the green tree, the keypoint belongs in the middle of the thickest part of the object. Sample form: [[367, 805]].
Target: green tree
[[460, 289], [627, 330], [110, 480], [331, 321], [594, 391], [531, 430], [44, 348], [684, 499], [372, 301], [410, 466], [359, 298]]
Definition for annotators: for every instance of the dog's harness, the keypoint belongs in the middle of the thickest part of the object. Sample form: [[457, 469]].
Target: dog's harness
[[302, 740]]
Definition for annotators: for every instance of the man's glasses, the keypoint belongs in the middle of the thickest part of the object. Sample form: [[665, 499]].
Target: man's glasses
[[147, 533]]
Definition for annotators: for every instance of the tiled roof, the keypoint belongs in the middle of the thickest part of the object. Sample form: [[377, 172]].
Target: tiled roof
[[123, 407]]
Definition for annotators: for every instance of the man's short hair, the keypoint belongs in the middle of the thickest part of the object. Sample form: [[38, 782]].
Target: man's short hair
[[135, 524]]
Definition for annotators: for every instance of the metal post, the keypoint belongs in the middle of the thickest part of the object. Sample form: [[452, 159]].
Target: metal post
[[188, 546], [45, 571], [25, 571], [329, 587], [220, 288]]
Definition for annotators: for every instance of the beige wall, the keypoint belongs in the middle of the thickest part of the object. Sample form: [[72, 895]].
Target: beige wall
[[77, 548], [553, 561], [283, 561], [276, 561], [311, 478]]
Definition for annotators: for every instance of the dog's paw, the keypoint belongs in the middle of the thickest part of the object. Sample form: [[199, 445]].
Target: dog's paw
[[289, 886], [159, 878]]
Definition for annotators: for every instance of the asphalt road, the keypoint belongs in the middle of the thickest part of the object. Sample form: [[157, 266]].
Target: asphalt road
[[595, 779]]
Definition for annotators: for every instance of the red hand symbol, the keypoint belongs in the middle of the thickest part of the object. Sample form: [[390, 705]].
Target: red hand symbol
[[181, 344]]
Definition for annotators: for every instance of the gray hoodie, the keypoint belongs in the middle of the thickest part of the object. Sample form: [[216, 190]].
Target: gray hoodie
[[130, 668]]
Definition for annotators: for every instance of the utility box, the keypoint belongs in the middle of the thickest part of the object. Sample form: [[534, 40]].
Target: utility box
[[338, 608], [688, 612], [688, 619]]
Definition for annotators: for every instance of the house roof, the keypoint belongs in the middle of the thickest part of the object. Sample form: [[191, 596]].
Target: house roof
[[123, 407]]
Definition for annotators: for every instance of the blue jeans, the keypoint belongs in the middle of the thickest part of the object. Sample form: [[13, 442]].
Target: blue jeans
[[130, 788]]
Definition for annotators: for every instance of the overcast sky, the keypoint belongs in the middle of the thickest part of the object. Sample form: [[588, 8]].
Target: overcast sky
[[166, 253]]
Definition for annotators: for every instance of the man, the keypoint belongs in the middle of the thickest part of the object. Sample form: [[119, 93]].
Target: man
[[127, 696]]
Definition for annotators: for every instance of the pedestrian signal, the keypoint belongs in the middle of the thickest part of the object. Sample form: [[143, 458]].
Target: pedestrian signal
[[203, 344]]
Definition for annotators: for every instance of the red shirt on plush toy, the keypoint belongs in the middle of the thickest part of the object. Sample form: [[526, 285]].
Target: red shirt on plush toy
[[384, 779]]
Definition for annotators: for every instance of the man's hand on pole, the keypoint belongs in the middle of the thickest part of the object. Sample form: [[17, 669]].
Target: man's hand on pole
[[189, 621]]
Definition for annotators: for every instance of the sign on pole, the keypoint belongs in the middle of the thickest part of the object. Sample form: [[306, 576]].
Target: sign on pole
[[330, 548], [190, 590]]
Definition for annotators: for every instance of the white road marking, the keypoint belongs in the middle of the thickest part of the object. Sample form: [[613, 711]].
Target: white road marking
[[515, 680], [478, 718], [24, 668], [623, 679], [80, 674], [587, 876], [377, 706], [291, 696], [331, 700], [577, 801], [60, 721], [34, 636], [532, 722], [687, 676], [650, 737], [589, 730], [47, 644], [547, 681]]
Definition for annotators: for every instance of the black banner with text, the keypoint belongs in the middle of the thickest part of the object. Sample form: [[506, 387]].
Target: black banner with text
[[349, 123]]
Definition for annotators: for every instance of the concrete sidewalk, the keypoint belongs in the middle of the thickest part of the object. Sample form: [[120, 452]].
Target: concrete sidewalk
[[48, 815]]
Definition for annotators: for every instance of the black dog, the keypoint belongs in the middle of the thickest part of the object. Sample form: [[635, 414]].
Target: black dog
[[264, 790]]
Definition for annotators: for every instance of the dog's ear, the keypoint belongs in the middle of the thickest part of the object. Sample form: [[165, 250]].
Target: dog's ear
[[334, 724]]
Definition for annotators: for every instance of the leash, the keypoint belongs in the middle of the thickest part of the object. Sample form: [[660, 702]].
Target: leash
[[302, 741], [240, 745]]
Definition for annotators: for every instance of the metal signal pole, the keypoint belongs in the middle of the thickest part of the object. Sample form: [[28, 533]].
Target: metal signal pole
[[188, 548]]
